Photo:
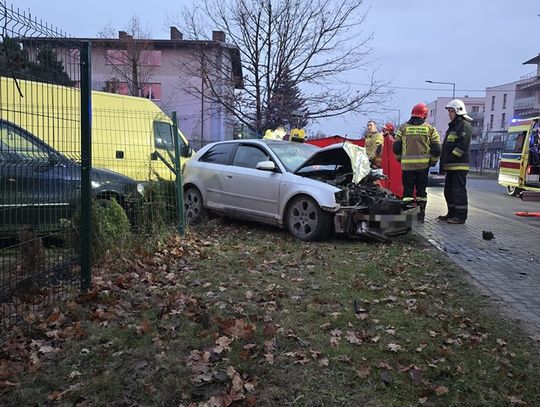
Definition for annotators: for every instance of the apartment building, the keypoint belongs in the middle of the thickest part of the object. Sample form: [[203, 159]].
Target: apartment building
[[499, 112], [171, 74], [438, 115], [527, 100]]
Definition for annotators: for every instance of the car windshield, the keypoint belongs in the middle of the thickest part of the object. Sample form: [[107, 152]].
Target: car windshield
[[293, 154]]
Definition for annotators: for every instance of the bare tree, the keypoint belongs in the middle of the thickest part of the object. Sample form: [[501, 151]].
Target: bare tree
[[313, 44], [130, 56]]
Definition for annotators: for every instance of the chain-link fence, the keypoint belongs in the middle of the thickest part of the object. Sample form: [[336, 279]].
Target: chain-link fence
[[50, 168]]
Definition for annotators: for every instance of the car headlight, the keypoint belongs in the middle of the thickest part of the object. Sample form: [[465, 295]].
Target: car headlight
[[140, 189], [95, 184]]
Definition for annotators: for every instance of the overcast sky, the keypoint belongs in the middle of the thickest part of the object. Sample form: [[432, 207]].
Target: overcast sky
[[475, 44]]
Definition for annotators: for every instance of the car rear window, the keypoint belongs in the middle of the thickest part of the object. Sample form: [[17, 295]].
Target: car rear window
[[218, 154]]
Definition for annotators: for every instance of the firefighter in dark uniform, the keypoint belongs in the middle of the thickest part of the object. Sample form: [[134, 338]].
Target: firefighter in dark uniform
[[455, 162], [374, 144], [417, 147]]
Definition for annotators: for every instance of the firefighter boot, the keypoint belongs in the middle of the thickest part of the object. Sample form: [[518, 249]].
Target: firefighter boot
[[422, 215]]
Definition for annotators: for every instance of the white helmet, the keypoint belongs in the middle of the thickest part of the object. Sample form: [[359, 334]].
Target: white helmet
[[459, 107]]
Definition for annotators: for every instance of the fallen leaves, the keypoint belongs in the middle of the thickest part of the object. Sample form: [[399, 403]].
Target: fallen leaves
[[238, 328], [276, 313]]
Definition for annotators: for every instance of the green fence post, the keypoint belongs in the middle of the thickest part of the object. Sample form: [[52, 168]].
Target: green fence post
[[86, 166], [179, 185]]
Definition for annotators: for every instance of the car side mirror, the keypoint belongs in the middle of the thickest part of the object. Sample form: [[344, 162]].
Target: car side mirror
[[266, 166], [53, 160]]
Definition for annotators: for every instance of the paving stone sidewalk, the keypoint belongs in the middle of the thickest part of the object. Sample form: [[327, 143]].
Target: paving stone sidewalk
[[508, 266]]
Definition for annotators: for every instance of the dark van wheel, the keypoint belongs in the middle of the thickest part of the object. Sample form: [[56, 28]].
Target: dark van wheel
[[513, 191], [193, 206], [306, 220]]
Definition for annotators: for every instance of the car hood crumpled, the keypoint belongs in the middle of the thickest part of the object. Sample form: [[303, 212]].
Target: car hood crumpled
[[348, 155]]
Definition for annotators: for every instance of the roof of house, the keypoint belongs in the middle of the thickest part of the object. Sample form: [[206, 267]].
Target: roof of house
[[535, 60], [157, 44]]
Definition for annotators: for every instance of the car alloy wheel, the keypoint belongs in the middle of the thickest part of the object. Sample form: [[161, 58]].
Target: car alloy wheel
[[193, 206], [306, 220]]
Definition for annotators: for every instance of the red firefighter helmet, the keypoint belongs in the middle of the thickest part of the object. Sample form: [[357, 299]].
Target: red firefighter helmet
[[420, 110], [389, 127]]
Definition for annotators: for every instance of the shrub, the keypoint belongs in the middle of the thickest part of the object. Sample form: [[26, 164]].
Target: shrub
[[110, 227]]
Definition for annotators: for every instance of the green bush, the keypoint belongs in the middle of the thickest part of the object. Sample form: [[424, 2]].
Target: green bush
[[110, 227], [158, 213]]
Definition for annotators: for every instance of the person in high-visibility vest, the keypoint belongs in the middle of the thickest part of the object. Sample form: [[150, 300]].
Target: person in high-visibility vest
[[374, 144], [417, 147], [455, 162]]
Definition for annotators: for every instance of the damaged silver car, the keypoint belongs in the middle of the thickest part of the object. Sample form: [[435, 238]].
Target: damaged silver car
[[311, 191]]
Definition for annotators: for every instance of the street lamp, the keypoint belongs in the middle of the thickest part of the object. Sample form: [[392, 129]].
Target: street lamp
[[447, 83]]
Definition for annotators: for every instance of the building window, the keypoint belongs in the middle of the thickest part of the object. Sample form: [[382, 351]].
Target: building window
[[490, 122], [504, 100], [150, 58], [116, 57], [152, 91], [493, 102], [476, 109], [503, 121]]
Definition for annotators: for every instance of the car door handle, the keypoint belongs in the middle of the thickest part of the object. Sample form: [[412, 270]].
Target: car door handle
[[229, 176]]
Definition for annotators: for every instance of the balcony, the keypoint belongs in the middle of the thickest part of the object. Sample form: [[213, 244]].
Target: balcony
[[476, 115], [526, 103], [528, 82]]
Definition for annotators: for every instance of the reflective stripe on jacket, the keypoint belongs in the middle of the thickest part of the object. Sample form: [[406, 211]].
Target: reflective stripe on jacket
[[455, 149], [417, 146]]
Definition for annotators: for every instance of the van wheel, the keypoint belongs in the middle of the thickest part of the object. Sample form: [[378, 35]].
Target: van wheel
[[193, 206], [306, 220], [513, 191]]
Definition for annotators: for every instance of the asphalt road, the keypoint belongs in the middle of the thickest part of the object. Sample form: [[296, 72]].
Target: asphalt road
[[489, 197]]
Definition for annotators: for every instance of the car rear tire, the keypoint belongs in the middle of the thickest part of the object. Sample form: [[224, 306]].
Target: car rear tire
[[306, 220], [513, 191], [193, 206]]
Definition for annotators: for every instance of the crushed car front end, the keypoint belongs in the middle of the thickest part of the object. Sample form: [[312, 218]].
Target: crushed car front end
[[365, 209]]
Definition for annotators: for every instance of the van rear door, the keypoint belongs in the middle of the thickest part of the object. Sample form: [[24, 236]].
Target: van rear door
[[513, 165]]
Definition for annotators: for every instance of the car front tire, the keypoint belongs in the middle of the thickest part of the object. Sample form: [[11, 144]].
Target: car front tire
[[193, 206], [306, 220]]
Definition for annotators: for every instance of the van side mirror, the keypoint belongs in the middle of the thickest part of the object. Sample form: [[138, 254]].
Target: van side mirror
[[186, 151]]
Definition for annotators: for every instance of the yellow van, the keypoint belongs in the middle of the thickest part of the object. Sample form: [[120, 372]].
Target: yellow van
[[130, 135], [519, 168]]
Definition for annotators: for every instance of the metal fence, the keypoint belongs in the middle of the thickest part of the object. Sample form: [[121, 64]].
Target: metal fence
[[115, 175]]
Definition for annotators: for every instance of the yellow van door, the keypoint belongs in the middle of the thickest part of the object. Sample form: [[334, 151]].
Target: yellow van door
[[162, 159]]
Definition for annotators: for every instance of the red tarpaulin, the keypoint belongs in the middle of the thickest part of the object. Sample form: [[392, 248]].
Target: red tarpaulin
[[391, 167]]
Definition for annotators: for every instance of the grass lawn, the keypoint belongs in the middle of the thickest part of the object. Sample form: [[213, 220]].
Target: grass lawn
[[243, 315]]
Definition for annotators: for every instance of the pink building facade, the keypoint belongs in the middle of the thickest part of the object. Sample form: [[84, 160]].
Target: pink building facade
[[170, 74]]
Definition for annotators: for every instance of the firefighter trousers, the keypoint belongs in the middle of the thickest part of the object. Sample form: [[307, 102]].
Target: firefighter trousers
[[455, 193], [412, 180]]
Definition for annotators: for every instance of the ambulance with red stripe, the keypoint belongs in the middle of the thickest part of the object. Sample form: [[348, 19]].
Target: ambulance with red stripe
[[520, 162]]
